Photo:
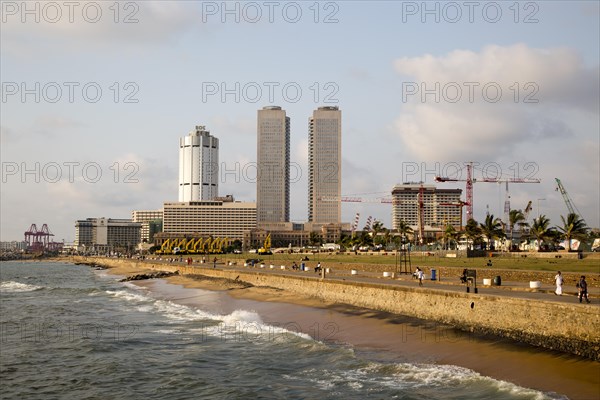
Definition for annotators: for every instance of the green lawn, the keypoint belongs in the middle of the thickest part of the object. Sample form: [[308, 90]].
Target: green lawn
[[590, 264]]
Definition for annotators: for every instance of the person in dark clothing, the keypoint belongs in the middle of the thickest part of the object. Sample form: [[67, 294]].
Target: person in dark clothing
[[583, 292], [463, 277]]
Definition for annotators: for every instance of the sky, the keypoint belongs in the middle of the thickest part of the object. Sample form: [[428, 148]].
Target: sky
[[95, 96]]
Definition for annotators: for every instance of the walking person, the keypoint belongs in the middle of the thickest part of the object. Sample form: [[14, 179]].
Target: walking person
[[559, 283], [583, 292], [420, 275], [215, 262]]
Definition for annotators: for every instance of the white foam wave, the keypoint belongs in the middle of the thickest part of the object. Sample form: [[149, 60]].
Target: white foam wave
[[15, 287], [125, 295], [134, 286], [420, 376], [240, 324]]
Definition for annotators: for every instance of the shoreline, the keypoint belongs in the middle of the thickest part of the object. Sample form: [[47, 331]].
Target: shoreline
[[376, 334]]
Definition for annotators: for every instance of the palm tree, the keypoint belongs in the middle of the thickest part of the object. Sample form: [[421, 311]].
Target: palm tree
[[573, 228], [450, 234], [491, 229], [377, 226], [472, 231], [516, 218], [540, 230], [404, 229]]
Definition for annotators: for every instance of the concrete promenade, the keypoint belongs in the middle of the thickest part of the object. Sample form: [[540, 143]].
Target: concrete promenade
[[447, 283]]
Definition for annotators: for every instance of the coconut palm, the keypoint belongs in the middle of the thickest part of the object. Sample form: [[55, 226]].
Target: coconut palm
[[450, 234], [516, 218], [573, 228], [404, 229], [491, 229], [377, 226], [472, 231], [540, 230]]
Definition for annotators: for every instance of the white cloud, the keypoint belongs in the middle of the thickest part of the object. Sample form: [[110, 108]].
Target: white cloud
[[49, 29], [462, 127]]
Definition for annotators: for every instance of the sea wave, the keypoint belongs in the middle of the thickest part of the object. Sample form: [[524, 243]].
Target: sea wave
[[128, 296], [240, 323], [421, 378], [15, 287]]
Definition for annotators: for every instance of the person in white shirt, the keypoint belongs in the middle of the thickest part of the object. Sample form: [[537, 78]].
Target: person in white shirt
[[559, 282]]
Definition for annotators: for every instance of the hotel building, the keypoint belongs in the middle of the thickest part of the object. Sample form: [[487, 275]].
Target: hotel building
[[209, 218], [104, 233], [273, 166], [147, 218], [325, 166], [198, 166]]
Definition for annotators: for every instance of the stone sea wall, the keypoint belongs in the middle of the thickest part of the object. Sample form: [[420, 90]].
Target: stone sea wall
[[571, 328]]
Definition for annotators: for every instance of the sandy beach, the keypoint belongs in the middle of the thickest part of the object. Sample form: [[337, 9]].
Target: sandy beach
[[383, 336]]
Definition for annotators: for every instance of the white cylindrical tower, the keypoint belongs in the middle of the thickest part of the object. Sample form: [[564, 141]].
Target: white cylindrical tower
[[198, 166]]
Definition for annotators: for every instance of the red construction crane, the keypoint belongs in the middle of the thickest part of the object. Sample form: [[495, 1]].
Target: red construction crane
[[470, 180], [346, 199]]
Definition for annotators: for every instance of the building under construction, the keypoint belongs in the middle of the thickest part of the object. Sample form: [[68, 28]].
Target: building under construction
[[425, 207]]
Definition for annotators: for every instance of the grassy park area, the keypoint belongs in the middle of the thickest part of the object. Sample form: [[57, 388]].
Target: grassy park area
[[590, 264]]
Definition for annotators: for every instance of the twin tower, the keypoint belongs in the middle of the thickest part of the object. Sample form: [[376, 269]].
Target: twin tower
[[199, 158]]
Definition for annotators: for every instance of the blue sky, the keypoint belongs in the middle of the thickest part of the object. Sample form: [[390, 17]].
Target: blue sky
[[365, 60]]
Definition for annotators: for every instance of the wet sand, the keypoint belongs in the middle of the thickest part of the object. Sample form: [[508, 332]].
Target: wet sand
[[386, 337]]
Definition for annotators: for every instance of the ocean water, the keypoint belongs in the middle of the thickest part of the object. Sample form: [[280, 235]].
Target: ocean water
[[71, 332]]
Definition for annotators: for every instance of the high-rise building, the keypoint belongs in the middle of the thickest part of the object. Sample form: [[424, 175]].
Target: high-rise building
[[273, 166], [440, 206], [198, 166], [325, 166]]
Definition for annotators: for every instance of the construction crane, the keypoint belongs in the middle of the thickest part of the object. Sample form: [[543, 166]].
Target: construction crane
[[527, 211], [388, 200], [421, 216], [469, 186], [346, 199], [570, 205]]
